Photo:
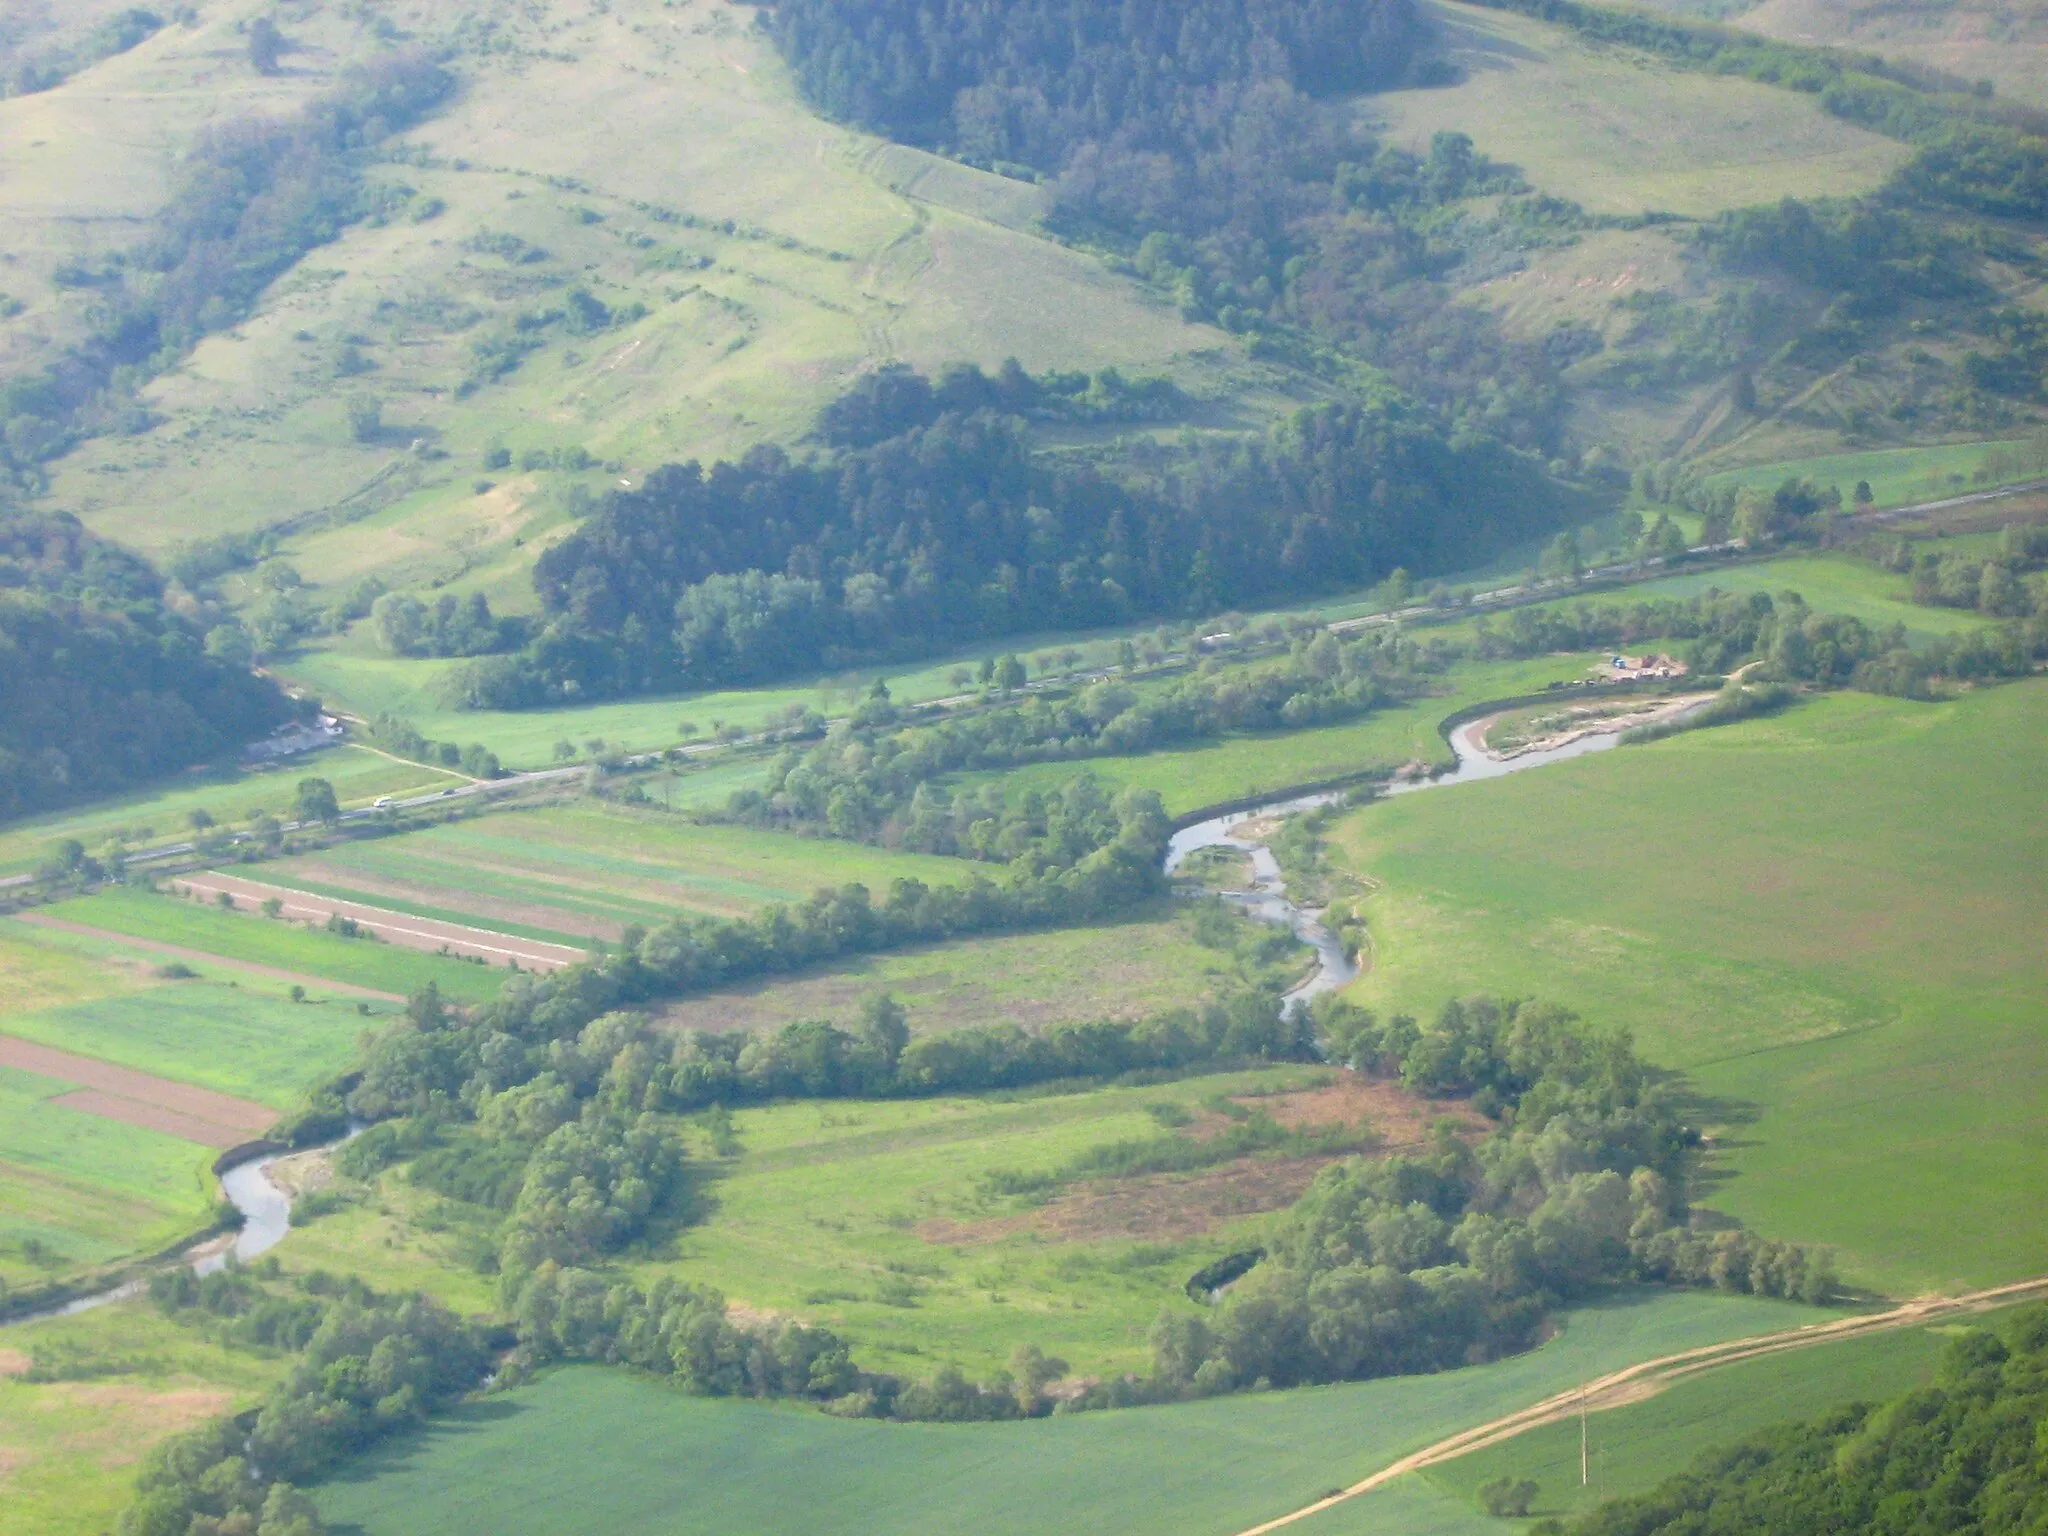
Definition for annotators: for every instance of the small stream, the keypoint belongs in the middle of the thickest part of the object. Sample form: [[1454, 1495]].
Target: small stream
[[1267, 900], [266, 1217]]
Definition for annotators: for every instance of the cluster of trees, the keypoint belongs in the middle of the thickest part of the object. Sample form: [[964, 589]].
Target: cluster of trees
[[1425, 1262], [1996, 584], [895, 398], [452, 626], [251, 197], [955, 528], [367, 1366], [1797, 645], [101, 684], [1208, 141], [52, 67], [1965, 1454], [402, 738]]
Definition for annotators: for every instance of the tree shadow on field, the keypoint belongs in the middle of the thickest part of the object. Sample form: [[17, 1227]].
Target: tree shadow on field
[[1698, 1110], [397, 1453]]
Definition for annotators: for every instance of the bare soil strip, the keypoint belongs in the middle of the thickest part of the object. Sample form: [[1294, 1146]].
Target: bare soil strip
[[238, 1117], [402, 928], [180, 952], [1646, 1379], [151, 1117]]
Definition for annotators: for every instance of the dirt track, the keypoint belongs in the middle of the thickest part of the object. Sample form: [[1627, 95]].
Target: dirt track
[[180, 952], [140, 1098], [431, 934], [1636, 1382]]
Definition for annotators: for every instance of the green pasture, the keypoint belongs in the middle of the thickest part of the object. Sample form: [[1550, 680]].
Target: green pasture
[[126, 1377], [217, 1035], [36, 974], [230, 796], [1192, 777], [1144, 963], [592, 868], [1830, 920], [307, 952], [1621, 133], [865, 1216], [87, 1188], [548, 1456], [1897, 476], [1633, 1448], [1829, 583]]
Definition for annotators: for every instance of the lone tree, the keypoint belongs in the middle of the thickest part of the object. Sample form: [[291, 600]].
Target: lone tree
[[316, 801], [1507, 1497], [365, 417], [1009, 673], [266, 45]]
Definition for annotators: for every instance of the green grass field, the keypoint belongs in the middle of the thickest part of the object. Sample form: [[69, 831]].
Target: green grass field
[[217, 1035], [1145, 963], [866, 1217], [1831, 920], [1829, 583], [1620, 133], [1632, 1449], [126, 1378], [291, 947], [548, 1456], [1897, 476], [87, 1188], [590, 869], [1250, 765], [160, 814]]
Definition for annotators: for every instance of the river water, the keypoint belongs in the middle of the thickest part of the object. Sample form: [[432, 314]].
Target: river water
[[1268, 900], [266, 1217]]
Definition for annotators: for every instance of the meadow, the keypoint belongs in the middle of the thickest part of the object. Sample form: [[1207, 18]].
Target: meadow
[[122, 1378], [1622, 134], [219, 1035], [546, 1455], [308, 954], [1142, 964], [588, 868], [78, 1189], [1897, 476], [230, 795], [1829, 920]]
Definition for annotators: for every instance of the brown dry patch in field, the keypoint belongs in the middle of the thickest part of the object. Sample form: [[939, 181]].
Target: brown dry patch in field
[[151, 1117], [122, 1087], [129, 1419], [1164, 1205], [484, 908], [13, 1362], [1399, 1118]]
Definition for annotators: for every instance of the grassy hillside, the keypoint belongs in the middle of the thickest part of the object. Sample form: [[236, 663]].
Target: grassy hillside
[[1829, 920], [772, 252], [545, 1455], [1620, 133], [2003, 43]]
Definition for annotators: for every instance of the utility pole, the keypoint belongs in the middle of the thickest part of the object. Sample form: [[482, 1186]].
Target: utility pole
[[1582, 1434]]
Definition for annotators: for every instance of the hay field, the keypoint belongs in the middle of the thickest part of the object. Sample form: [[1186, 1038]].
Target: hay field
[[1623, 134], [1830, 920]]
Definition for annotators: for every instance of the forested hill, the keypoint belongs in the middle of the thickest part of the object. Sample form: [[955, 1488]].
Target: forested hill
[[1031, 81], [952, 527], [101, 684]]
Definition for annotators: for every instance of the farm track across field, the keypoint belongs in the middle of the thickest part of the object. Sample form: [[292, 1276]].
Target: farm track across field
[[184, 952], [425, 933], [1646, 1379]]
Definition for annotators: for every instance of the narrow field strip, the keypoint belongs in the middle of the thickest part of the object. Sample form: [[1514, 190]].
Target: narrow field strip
[[397, 928], [125, 1094], [183, 952], [1647, 1378], [151, 1117]]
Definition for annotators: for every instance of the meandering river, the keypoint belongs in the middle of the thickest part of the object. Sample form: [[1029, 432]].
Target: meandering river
[[1268, 899]]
